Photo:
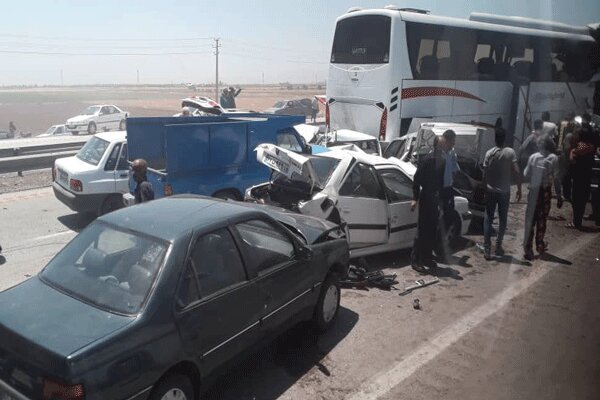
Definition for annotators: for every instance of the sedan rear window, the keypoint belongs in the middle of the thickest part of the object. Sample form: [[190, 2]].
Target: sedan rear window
[[107, 267], [93, 150]]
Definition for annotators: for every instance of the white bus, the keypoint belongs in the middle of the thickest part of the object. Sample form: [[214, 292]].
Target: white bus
[[392, 69]]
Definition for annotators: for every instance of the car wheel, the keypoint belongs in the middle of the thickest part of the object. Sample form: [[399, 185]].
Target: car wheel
[[174, 387], [110, 204], [228, 195], [91, 128], [74, 133], [448, 237], [122, 125], [328, 304]]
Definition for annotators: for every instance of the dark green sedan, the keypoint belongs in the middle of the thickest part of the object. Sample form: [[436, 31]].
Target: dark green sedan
[[153, 301]]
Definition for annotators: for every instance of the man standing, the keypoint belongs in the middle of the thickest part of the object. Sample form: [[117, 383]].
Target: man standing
[[582, 159], [549, 128], [541, 171], [427, 184], [143, 190], [233, 93], [529, 145], [498, 164], [447, 142]]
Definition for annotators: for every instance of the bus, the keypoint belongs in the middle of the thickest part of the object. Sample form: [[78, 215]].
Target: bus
[[393, 68]]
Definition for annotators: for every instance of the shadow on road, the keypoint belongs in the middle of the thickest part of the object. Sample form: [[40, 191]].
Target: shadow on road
[[271, 371], [554, 259], [76, 222]]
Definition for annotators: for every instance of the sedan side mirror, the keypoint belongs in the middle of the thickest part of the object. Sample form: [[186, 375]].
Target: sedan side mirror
[[304, 253]]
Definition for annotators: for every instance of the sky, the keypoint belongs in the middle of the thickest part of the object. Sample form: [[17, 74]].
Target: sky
[[109, 42]]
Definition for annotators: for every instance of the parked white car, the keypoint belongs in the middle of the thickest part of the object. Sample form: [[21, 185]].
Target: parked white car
[[372, 195], [95, 179], [98, 118], [55, 130]]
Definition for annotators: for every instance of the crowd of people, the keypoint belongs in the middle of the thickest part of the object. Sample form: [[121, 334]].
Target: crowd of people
[[553, 155]]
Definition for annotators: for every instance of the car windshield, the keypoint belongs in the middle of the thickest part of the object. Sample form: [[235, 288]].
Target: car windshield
[[50, 130], [323, 167], [279, 104], [107, 267], [93, 150], [92, 110]]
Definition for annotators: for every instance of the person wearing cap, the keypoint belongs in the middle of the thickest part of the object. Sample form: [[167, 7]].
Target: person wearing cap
[[143, 190]]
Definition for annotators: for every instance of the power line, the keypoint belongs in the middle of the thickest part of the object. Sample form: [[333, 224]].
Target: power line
[[59, 53], [79, 39]]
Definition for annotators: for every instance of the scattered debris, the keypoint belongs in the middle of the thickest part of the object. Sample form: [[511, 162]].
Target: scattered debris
[[416, 304], [419, 284], [359, 278]]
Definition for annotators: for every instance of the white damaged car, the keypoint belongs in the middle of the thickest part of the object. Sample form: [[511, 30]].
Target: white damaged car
[[371, 194], [98, 118]]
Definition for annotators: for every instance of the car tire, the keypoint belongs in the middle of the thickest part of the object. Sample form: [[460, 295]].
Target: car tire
[[122, 125], [173, 387], [110, 204], [228, 195], [91, 129], [328, 305], [74, 133]]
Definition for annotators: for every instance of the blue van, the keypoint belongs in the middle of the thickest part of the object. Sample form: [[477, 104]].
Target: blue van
[[209, 155]]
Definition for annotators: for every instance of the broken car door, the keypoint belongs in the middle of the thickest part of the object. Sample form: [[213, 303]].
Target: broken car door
[[363, 206]]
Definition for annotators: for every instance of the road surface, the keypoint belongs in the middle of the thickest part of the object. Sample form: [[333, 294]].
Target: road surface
[[494, 330]]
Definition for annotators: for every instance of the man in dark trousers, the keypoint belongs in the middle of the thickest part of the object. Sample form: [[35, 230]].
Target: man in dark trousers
[[499, 164], [427, 184], [143, 190], [582, 162]]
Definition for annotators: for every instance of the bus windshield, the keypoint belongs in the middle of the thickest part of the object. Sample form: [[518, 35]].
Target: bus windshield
[[352, 46]]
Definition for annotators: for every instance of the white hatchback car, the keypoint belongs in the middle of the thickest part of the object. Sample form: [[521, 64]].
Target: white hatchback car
[[99, 117], [371, 194]]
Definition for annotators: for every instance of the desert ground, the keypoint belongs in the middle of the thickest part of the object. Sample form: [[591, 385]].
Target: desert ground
[[33, 110]]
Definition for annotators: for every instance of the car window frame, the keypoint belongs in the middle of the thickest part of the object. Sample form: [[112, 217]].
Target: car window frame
[[187, 264], [380, 196], [252, 270], [399, 171], [117, 147]]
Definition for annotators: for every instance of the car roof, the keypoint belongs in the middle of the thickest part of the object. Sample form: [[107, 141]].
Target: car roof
[[112, 136], [171, 217]]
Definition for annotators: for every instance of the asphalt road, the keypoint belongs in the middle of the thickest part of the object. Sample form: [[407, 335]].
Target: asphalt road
[[504, 329]]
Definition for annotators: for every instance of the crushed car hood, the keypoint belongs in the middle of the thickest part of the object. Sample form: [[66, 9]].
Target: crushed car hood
[[285, 162], [312, 228], [203, 104]]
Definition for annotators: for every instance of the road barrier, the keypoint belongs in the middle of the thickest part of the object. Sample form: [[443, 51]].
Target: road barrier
[[27, 158]]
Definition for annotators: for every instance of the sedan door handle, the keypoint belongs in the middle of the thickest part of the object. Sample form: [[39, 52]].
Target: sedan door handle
[[124, 175], [345, 210]]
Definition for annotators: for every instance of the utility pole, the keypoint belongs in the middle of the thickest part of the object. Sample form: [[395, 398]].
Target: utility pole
[[138, 76], [216, 47], [62, 81], [263, 79]]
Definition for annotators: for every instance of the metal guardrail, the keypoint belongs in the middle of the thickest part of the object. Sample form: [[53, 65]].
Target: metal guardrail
[[27, 158]]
